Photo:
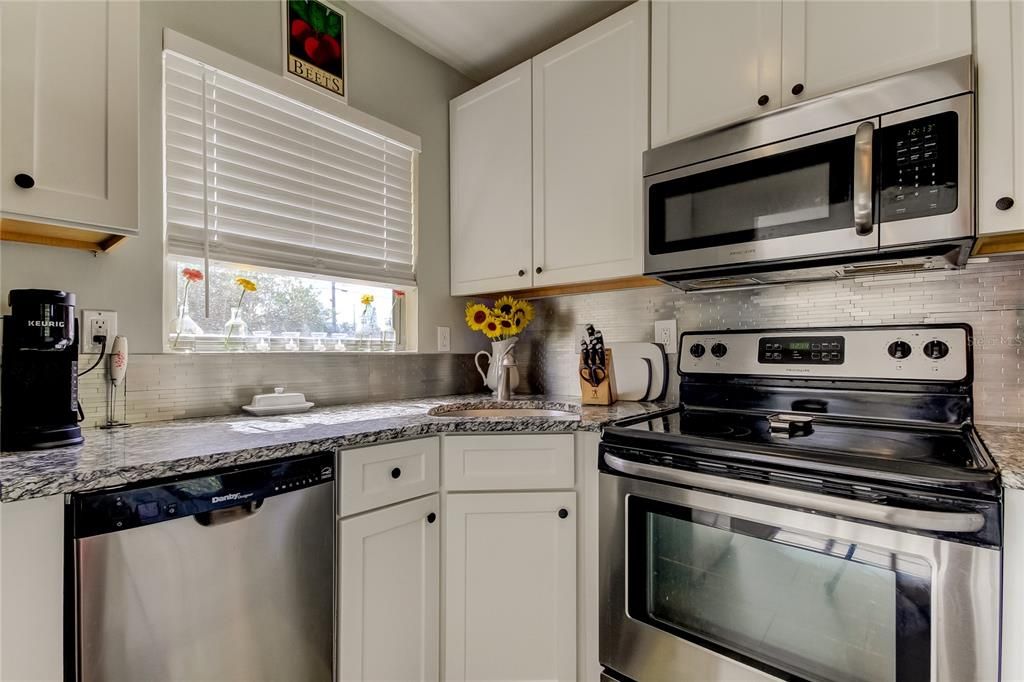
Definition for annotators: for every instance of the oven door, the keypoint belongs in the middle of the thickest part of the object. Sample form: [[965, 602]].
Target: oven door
[[699, 586], [809, 196]]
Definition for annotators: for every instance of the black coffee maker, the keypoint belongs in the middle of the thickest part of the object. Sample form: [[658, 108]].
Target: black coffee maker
[[39, 386]]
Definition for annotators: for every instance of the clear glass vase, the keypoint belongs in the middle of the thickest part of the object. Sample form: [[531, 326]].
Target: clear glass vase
[[184, 331], [235, 331]]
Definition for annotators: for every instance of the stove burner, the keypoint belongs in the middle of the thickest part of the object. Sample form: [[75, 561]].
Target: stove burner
[[709, 426]]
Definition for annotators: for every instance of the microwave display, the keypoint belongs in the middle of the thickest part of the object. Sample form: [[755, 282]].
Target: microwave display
[[918, 174]]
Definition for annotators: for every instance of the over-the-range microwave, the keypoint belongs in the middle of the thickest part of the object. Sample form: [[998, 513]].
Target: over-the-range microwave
[[876, 178]]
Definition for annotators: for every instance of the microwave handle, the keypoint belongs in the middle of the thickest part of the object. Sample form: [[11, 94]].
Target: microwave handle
[[863, 219], [915, 519]]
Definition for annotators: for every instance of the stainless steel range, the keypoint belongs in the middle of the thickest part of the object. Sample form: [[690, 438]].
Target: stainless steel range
[[819, 507]]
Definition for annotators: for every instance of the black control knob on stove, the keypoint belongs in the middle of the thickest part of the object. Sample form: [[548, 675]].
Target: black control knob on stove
[[899, 349], [697, 350], [719, 350], [936, 350]]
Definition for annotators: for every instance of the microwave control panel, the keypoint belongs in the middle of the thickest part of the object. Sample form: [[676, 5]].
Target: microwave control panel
[[918, 167], [817, 350]]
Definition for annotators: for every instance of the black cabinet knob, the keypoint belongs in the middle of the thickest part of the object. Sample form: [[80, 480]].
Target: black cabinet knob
[[1004, 203], [431, 517], [24, 181], [563, 513], [522, 273], [396, 472], [539, 269], [762, 100], [797, 89]]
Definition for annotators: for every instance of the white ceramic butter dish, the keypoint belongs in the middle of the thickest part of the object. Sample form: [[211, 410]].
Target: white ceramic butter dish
[[278, 402]]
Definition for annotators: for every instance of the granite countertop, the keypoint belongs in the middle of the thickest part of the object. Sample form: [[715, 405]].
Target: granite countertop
[[1006, 443], [161, 449]]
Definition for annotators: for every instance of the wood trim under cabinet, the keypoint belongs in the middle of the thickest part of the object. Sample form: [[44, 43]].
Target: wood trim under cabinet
[[636, 282], [1012, 242], [26, 232]]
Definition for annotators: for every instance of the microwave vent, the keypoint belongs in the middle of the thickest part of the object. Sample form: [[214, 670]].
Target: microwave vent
[[724, 283]]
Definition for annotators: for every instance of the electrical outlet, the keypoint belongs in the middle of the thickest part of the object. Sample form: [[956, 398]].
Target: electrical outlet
[[444, 339], [665, 334], [581, 335], [97, 323]]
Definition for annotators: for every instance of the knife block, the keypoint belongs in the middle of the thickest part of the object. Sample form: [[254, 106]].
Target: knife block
[[604, 393]]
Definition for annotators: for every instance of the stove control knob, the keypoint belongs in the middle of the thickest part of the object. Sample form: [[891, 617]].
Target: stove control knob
[[697, 350], [719, 350], [936, 350], [899, 349]]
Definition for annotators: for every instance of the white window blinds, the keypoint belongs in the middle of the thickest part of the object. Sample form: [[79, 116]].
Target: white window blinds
[[258, 178]]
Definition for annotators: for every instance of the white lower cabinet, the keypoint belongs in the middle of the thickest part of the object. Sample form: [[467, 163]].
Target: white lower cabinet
[[389, 593], [510, 586]]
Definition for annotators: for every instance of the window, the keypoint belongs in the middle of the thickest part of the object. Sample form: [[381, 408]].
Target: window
[[318, 211]]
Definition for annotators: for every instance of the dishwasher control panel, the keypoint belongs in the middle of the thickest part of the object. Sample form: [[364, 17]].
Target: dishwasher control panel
[[210, 498]]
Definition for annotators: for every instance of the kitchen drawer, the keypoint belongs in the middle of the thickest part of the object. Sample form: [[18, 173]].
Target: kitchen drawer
[[384, 474], [515, 462]]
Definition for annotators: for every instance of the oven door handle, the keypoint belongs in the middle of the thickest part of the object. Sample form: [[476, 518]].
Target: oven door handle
[[915, 519], [863, 155]]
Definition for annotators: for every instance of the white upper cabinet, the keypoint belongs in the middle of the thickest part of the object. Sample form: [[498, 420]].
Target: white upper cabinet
[[718, 63], [1000, 60], [828, 45], [712, 63], [69, 80], [589, 135], [491, 192]]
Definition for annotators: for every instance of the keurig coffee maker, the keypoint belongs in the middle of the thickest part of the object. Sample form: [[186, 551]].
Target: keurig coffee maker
[[39, 401]]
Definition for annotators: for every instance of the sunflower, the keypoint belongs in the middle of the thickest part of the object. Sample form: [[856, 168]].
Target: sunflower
[[491, 328], [246, 284], [477, 315], [522, 311], [366, 299], [504, 305], [507, 326]]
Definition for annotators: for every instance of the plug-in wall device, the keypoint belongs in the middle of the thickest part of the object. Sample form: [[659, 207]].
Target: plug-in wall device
[[40, 371]]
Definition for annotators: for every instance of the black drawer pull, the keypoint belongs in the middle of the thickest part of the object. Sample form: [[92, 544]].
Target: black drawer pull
[[762, 100], [1004, 203], [24, 181], [431, 517], [396, 472], [563, 513]]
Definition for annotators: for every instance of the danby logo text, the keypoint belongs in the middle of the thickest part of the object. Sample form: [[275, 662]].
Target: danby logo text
[[45, 323], [229, 497]]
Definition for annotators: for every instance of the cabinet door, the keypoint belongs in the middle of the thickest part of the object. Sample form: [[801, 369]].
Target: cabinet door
[[1000, 59], [388, 616], [589, 135], [70, 112], [491, 193], [829, 45], [510, 586], [712, 63]]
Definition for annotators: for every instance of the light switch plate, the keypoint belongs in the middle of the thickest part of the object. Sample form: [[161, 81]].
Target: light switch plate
[[444, 339], [665, 334]]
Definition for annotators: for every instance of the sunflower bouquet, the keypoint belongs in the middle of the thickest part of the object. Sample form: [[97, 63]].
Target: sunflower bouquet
[[508, 318]]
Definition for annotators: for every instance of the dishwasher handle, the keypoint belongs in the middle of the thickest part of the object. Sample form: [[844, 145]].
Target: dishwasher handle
[[219, 517]]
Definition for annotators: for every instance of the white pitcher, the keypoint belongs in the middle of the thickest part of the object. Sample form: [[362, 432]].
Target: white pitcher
[[498, 349]]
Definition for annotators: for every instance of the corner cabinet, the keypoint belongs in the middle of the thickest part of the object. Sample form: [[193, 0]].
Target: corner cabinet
[[715, 64], [70, 128], [491, 185], [510, 587], [546, 159], [999, 26]]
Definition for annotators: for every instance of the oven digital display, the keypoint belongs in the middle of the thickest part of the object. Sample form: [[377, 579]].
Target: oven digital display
[[802, 350]]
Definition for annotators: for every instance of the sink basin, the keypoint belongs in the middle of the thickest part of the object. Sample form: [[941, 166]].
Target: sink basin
[[499, 411]]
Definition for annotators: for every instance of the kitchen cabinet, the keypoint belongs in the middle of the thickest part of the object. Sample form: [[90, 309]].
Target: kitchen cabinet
[[509, 462], [389, 593], [70, 125], [589, 135], [546, 159], [510, 586], [999, 52], [714, 64], [491, 186]]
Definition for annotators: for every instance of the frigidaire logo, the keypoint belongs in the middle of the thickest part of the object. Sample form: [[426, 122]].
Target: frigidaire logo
[[45, 323], [229, 497]]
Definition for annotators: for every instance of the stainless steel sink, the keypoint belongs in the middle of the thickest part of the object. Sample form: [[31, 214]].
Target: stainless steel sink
[[502, 412]]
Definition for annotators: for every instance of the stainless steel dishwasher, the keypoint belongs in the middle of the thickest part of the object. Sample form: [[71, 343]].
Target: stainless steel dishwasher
[[225, 577]]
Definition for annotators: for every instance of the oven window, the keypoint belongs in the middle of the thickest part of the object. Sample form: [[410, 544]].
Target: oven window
[[798, 606], [798, 192]]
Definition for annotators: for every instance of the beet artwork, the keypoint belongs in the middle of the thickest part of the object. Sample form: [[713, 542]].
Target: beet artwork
[[316, 39]]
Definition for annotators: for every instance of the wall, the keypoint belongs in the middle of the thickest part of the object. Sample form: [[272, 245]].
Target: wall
[[389, 78], [988, 296]]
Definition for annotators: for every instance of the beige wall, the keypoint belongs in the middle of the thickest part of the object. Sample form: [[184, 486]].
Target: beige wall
[[389, 78]]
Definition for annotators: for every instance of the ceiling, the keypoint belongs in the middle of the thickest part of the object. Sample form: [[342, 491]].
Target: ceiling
[[482, 38]]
